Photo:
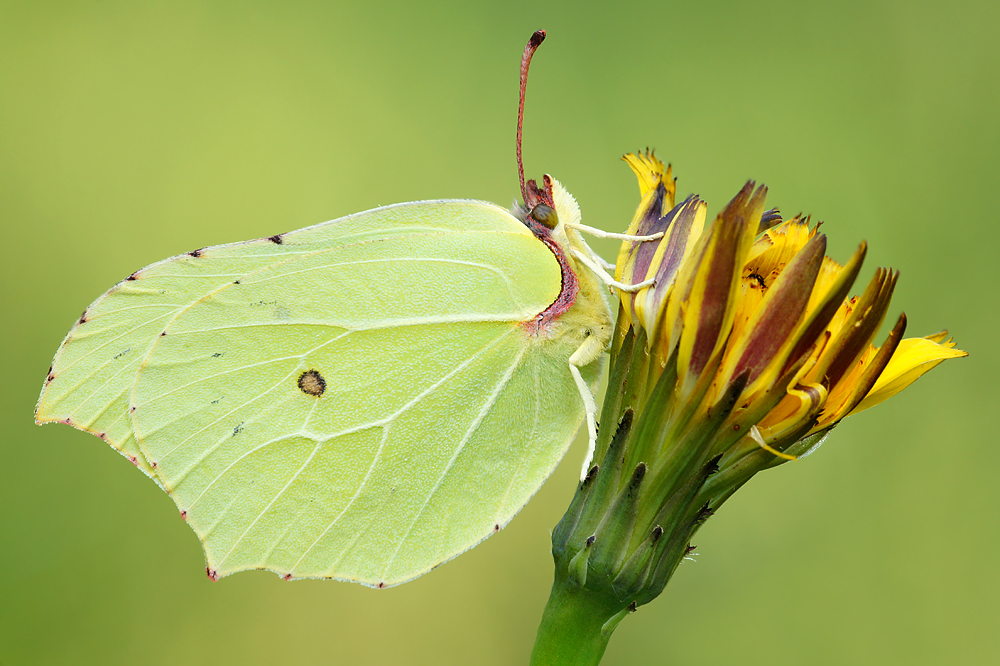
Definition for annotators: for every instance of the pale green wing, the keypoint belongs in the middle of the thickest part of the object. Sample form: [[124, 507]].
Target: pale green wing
[[94, 369], [439, 416]]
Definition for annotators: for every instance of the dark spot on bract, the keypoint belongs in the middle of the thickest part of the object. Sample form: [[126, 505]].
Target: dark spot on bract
[[704, 514], [196, 253], [276, 239], [312, 382], [632, 607], [639, 474]]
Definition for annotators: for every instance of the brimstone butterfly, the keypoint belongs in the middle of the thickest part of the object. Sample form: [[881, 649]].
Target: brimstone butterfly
[[363, 399]]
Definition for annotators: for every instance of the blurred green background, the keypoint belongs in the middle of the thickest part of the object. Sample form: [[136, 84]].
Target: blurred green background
[[133, 131]]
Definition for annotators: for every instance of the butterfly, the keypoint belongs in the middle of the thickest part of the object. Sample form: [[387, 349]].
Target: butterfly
[[362, 399]]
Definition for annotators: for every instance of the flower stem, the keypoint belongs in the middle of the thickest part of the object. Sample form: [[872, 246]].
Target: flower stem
[[576, 626]]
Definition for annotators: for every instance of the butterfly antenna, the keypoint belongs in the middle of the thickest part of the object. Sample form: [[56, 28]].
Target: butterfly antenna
[[529, 50]]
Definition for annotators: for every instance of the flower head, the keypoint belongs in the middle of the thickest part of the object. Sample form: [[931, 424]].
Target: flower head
[[742, 356]]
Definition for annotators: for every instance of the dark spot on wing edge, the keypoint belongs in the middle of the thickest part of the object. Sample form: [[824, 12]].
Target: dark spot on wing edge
[[276, 239]]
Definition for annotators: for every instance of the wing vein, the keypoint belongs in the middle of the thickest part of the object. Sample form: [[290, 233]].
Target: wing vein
[[487, 406], [180, 477], [281, 492], [381, 260], [105, 344]]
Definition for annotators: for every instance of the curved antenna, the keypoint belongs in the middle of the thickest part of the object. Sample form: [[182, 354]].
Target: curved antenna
[[529, 50]]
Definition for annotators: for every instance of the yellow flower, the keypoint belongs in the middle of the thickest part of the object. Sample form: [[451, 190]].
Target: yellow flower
[[742, 355], [753, 303]]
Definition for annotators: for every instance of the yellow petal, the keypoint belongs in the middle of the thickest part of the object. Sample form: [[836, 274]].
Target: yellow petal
[[656, 188], [650, 172], [705, 297], [777, 246], [939, 337], [852, 387], [913, 358], [683, 227], [762, 342], [799, 406]]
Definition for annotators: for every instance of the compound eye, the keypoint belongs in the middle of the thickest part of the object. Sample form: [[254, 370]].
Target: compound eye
[[545, 215]]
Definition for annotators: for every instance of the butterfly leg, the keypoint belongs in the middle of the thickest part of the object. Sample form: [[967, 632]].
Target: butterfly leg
[[608, 265], [606, 277], [587, 353], [600, 233]]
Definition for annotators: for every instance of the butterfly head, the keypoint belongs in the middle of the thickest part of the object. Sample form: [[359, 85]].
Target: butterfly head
[[547, 209]]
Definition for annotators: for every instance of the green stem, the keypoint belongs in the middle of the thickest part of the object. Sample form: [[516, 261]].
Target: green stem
[[576, 626]]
